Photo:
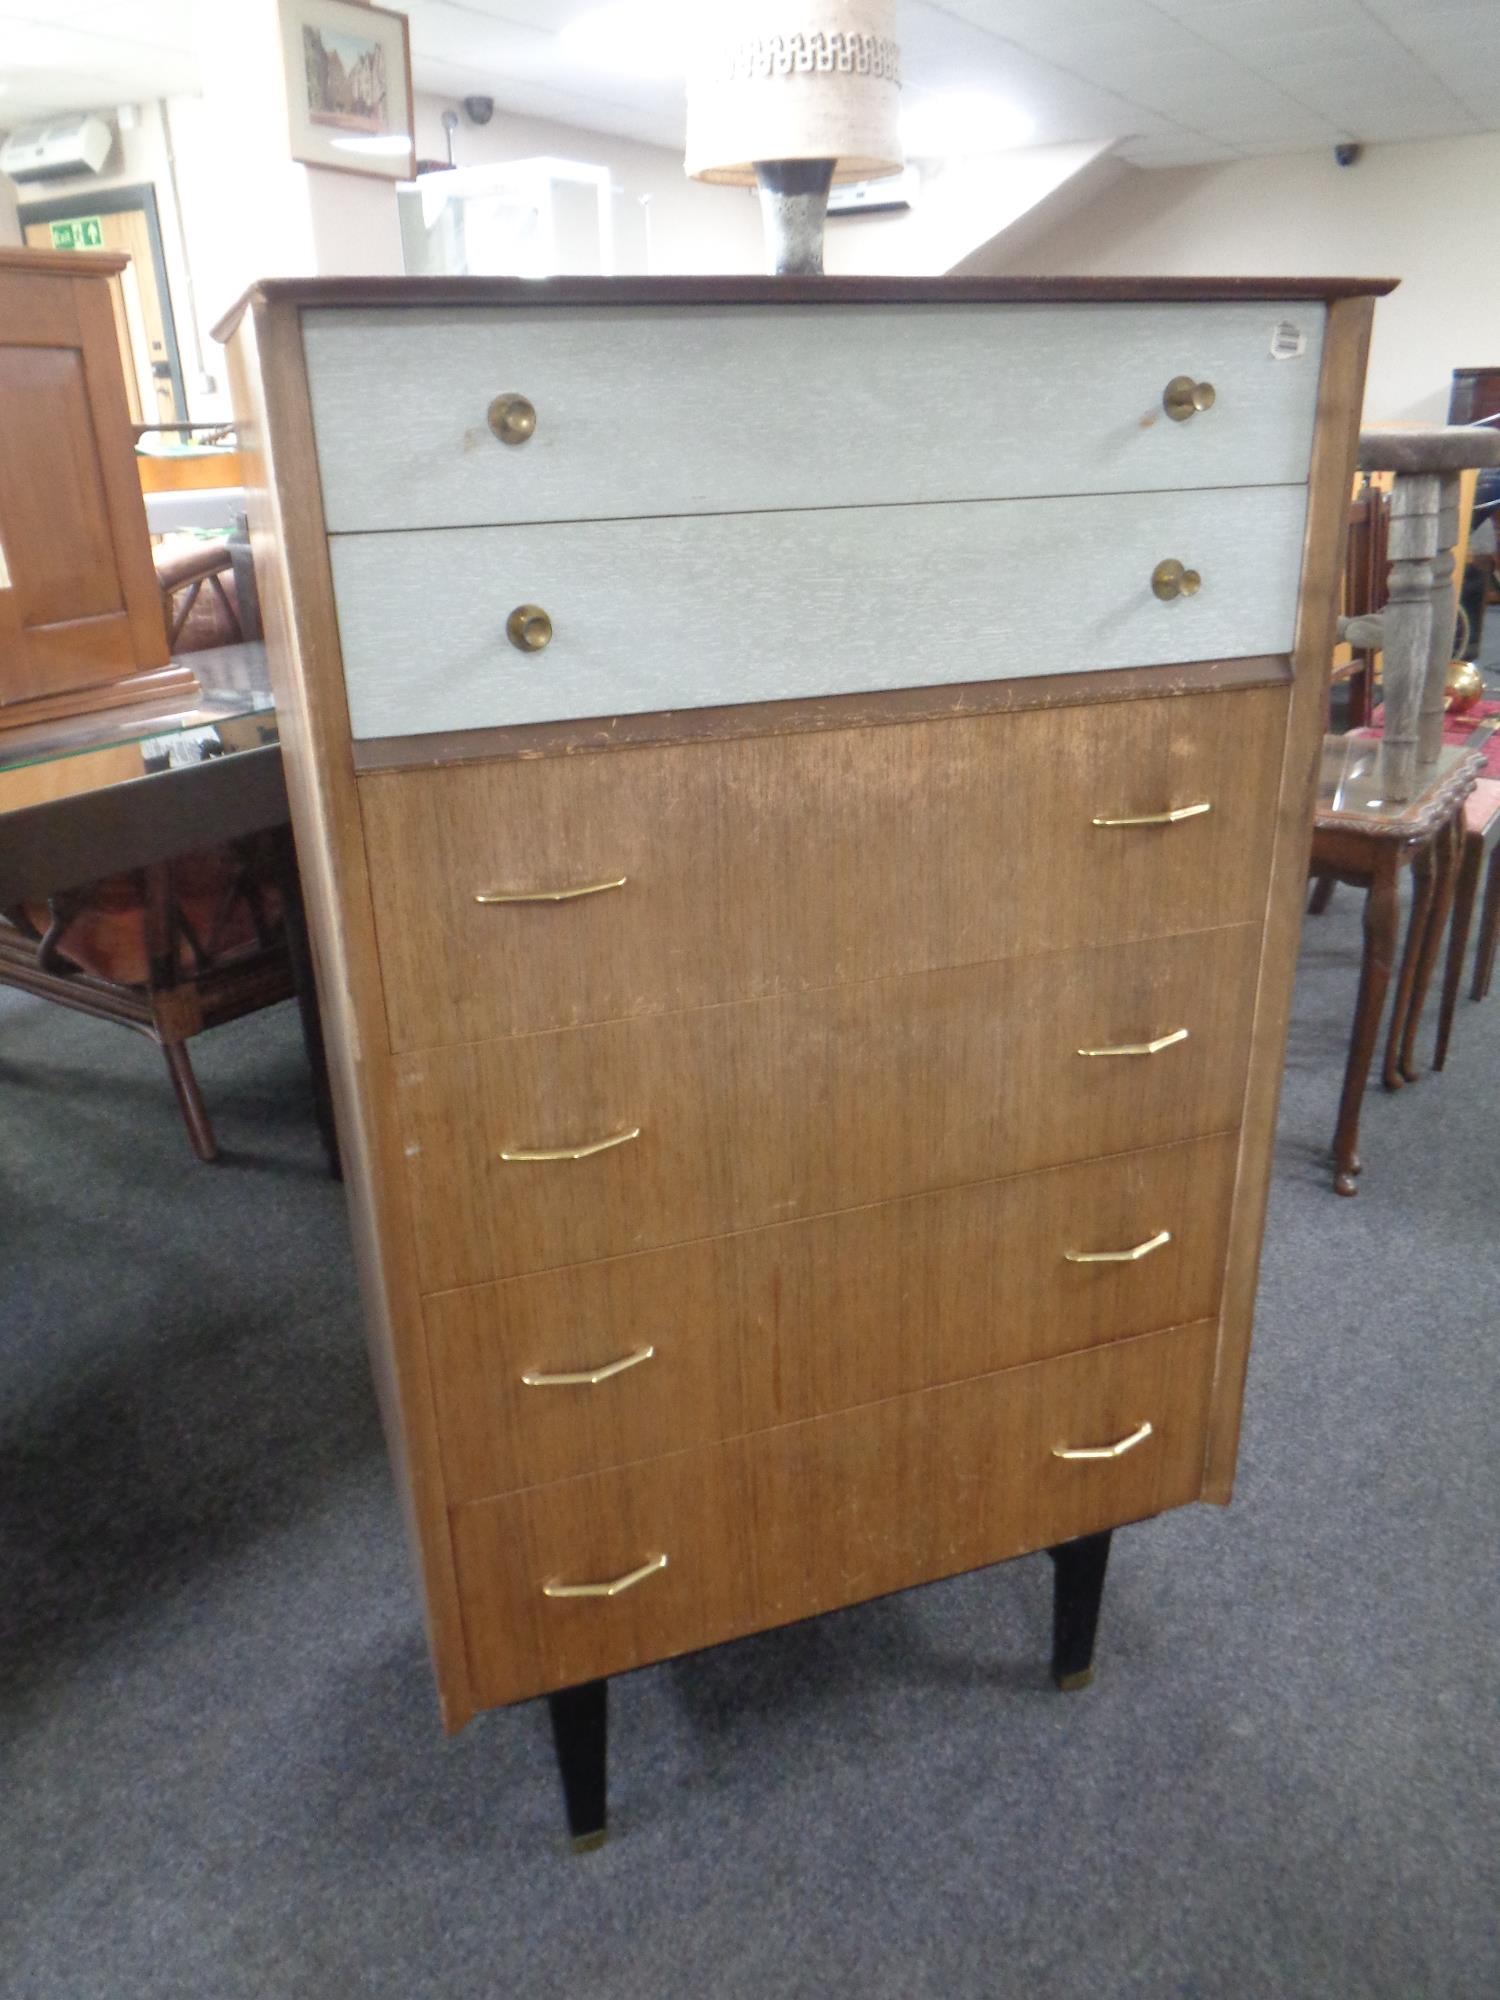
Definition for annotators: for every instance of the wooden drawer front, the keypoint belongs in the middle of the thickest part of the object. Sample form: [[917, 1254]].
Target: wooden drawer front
[[779, 864], [763, 1111], [763, 1530], [688, 411], [696, 612], [747, 1332]]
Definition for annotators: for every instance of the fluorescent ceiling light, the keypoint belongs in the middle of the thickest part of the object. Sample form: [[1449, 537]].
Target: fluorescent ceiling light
[[937, 125], [633, 37], [382, 145]]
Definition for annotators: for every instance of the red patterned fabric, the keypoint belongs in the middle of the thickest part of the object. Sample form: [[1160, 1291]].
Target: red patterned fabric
[[1457, 729], [1482, 805], [227, 902]]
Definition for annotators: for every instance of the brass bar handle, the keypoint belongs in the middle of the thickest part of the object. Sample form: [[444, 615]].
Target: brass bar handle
[[587, 1377], [1104, 1450], [614, 1587], [1152, 819], [1157, 1242], [571, 1152], [1141, 1048], [1172, 579], [488, 896], [1183, 398]]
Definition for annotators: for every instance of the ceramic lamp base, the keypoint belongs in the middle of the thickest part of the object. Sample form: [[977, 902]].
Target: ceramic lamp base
[[793, 209]]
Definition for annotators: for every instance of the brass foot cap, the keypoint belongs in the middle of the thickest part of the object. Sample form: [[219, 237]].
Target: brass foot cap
[[1070, 1683], [587, 1843]]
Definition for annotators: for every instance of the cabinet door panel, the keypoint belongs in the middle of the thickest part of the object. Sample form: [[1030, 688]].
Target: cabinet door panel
[[79, 604]]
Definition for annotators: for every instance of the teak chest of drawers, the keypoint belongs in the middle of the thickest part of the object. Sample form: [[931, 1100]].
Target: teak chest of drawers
[[804, 788]]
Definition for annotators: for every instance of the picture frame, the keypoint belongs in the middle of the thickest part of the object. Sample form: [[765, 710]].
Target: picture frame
[[348, 87]]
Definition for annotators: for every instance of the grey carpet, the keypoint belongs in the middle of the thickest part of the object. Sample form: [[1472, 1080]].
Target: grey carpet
[[222, 1770]]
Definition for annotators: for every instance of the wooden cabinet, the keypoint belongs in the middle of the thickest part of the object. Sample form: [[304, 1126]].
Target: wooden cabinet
[[1474, 395], [806, 906], [80, 613]]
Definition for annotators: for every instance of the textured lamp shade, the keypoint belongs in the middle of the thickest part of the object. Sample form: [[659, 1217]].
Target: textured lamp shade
[[795, 80]]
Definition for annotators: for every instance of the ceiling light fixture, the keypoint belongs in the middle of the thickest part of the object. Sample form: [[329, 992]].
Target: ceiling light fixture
[[937, 126], [646, 38]]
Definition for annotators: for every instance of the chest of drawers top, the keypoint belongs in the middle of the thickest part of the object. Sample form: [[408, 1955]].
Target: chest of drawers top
[[750, 490]]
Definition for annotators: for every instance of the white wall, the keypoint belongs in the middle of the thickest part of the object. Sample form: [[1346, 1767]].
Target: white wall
[[960, 207], [692, 227], [1415, 212]]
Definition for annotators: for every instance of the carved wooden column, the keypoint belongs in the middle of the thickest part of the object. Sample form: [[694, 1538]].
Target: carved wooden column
[[1416, 627]]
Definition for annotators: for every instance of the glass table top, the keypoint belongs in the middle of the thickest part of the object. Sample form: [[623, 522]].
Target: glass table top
[[235, 711], [1351, 779]]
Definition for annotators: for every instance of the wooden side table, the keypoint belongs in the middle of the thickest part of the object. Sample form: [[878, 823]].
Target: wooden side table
[[1481, 837], [1362, 838]]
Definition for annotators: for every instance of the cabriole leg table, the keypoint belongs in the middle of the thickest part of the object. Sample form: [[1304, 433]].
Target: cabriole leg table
[[1362, 838]]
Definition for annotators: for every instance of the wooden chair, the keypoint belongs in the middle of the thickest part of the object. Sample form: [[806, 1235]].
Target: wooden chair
[[182, 570], [169, 950], [1481, 837]]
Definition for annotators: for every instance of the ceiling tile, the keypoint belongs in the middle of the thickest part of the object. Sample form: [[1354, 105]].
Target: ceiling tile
[[1226, 75], [1229, 22]]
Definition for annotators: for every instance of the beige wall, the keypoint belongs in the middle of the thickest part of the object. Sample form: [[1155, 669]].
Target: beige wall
[[1416, 212], [961, 206]]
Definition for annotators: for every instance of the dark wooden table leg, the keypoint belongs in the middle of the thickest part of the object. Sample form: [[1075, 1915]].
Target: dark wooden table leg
[[1381, 926], [580, 1730], [1445, 848], [174, 1009], [299, 951], [190, 1103], [1466, 890], [1423, 870], [1489, 931], [1077, 1592], [1321, 894]]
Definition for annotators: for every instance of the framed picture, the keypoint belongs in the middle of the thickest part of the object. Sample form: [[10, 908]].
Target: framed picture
[[348, 87]]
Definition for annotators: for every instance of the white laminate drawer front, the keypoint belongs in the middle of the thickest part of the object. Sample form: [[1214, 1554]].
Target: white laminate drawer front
[[644, 410], [700, 612]]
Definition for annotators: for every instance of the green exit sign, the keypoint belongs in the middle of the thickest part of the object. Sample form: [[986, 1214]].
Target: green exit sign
[[87, 233]]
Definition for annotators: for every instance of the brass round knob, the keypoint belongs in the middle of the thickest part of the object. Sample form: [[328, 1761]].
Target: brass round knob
[[512, 418], [1169, 579], [1183, 398], [528, 628]]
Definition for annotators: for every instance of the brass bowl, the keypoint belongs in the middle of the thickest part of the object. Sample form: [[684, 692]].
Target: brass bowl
[[1465, 685]]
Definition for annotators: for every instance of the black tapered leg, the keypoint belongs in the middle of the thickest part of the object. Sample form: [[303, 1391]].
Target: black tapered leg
[[580, 1730], [1077, 1592]]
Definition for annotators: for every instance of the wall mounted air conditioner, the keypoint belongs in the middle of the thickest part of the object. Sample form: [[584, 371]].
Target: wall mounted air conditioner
[[57, 150], [876, 197]]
